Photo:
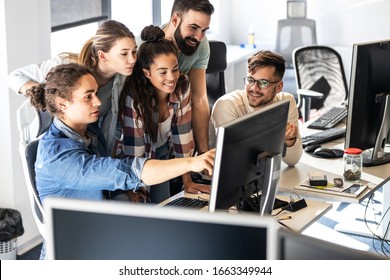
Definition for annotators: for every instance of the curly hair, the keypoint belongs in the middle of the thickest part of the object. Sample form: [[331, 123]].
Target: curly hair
[[61, 81]]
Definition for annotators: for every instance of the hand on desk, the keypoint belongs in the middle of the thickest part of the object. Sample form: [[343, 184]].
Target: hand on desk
[[192, 187], [142, 195]]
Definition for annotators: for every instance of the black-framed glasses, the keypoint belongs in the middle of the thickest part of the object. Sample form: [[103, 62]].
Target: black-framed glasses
[[262, 84]]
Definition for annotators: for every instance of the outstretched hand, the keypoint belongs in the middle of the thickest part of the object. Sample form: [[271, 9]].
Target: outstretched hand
[[204, 162]]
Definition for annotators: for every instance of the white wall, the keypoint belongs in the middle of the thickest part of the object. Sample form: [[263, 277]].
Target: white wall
[[338, 22], [22, 42]]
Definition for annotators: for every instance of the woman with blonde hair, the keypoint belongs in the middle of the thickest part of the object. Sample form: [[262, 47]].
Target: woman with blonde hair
[[110, 55]]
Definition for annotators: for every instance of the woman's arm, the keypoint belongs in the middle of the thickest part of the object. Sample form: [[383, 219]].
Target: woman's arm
[[23, 78], [158, 171]]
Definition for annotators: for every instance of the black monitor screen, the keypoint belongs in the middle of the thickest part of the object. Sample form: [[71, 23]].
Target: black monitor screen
[[94, 230], [368, 123], [247, 162]]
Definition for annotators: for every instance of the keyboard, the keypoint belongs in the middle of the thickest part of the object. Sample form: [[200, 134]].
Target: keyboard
[[330, 119], [188, 202], [323, 136]]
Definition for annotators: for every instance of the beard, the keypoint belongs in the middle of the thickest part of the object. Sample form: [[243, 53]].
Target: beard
[[256, 103], [182, 45]]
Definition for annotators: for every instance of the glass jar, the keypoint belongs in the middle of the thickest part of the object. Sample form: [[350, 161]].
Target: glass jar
[[352, 164]]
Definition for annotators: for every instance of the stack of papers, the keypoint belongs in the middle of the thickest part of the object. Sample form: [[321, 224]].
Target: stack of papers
[[351, 189]]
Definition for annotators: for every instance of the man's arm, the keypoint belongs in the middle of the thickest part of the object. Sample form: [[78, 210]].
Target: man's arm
[[200, 109], [293, 137]]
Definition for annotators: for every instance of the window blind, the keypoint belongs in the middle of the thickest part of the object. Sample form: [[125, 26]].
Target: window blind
[[70, 13]]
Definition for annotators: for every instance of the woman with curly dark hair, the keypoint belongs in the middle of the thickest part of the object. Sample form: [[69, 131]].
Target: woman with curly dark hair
[[157, 108]]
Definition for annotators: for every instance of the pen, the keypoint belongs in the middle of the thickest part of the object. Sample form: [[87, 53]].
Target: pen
[[285, 218]]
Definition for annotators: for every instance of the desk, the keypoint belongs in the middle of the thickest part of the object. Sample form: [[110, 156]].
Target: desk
[[299, 221], [291, 176], [236, 54], [236, 66]]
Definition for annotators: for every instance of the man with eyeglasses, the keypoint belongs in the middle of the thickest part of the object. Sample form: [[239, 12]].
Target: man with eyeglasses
[[263, 86]]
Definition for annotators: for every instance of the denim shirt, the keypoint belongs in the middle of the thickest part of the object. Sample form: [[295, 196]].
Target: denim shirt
[[69, 166]]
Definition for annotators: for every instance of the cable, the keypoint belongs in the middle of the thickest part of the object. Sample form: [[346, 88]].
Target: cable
[[383, 242]]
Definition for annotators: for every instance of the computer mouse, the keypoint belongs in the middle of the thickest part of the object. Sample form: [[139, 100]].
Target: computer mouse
[[328, 153], [311, 148]]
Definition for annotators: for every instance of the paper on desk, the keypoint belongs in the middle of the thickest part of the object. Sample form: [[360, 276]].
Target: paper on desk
[[331, 189]]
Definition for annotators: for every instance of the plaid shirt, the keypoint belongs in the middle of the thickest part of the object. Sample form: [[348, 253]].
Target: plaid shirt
[[138, 143]]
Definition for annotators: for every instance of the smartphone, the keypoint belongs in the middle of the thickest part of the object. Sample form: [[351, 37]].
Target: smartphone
[[353, 188]]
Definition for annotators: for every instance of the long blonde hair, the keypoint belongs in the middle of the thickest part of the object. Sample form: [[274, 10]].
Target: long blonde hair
[[106, 36]]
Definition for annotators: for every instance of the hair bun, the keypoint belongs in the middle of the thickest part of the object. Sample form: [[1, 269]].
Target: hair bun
[[152, 33]]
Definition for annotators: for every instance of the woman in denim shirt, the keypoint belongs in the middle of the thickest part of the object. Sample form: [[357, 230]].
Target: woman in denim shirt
[[72, 159], [110, 55]]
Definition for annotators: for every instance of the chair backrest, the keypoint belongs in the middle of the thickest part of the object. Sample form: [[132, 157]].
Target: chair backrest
[[215, 73], [45, 119], [32, 124], [320, 68], [293, 33]]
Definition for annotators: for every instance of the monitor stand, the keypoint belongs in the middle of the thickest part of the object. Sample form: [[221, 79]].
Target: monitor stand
[[269, 166], [377, 155]]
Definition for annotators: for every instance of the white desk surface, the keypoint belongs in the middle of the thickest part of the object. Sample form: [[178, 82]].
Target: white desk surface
[[299, 221], [292, 176], [236, 54]]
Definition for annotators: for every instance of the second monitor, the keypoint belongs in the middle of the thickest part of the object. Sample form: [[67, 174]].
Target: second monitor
[[247, 161]]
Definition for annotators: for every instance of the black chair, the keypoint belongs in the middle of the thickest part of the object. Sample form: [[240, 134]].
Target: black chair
[[45, 119], [320, 69], [37, 207], [215, 73], [32, 123]]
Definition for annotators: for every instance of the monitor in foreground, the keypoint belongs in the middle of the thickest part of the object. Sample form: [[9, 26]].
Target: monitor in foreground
[[107, 230], [294, 246], [368, 121], [247, 161]]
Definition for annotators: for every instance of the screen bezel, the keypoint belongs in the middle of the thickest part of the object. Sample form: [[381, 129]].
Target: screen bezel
[[273, 117], [153, 212], [369, 72]]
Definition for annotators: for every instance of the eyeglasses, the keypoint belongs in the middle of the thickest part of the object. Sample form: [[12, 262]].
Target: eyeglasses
[[262, 84]]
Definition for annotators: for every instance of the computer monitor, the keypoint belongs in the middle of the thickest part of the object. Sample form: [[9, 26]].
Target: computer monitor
[[368, 120], [109, 230], [294, 246], [248, 156]]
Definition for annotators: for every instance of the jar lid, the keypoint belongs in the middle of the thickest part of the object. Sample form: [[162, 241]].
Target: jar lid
[[353, 151]]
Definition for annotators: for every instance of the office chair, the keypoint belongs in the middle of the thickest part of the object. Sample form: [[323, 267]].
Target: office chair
[[320, 69], [32, 124], [294, 31], [215, 73], [45, 119]]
